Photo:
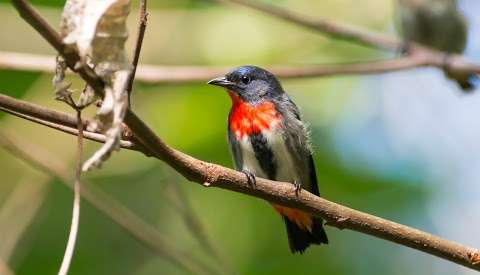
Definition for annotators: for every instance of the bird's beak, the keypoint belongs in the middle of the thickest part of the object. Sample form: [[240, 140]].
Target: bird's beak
[[222, 82]]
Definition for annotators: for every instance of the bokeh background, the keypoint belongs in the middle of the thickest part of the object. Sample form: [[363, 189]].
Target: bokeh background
[[404, 146]]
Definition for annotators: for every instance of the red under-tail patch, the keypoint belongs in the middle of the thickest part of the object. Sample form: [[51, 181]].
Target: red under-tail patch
[[247, 119], [302, 219]]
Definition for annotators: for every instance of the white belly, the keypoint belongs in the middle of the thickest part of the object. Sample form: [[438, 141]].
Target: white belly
[[286, 170]]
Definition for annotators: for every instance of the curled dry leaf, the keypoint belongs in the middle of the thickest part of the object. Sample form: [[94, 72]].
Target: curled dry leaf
[[97, 28], [62, 89]]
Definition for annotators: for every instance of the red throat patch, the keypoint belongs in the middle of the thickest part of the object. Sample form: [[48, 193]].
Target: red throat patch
[[247, 119]]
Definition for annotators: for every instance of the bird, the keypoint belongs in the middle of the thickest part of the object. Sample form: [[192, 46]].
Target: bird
[[437, 24], [268, 139]]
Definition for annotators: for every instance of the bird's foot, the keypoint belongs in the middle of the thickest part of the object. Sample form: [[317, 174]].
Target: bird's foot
[[298, 187], [251, 179]]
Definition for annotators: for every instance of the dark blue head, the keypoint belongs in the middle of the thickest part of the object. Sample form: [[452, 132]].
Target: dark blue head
[[250, 83]]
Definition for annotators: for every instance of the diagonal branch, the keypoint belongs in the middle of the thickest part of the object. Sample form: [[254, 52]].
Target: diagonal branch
[[282, 193], [54, 119], [332, 29], [363, 37], [197, 228]]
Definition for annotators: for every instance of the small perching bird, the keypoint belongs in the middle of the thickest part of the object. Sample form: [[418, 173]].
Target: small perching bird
[[437, 24], [268, 139]]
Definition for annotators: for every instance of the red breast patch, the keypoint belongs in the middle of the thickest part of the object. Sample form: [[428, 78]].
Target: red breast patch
[[246, 119]]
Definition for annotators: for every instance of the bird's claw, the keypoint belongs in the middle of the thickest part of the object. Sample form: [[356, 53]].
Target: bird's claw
[[298, 187], [251, 179]]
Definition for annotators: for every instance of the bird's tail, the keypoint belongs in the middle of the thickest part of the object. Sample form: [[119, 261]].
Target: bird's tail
[[465, 81], [300, 238]]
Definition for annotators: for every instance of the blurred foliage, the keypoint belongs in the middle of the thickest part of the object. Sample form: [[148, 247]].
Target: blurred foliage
[[192, 118]]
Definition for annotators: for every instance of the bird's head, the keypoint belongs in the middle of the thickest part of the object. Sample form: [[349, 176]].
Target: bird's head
[[250, 84]]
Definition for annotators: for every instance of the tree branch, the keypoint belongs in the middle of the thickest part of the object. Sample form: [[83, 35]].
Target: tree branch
[[331, 29], [363, 37], [54, 119], [282, 193], [336, 215], [155, 74]]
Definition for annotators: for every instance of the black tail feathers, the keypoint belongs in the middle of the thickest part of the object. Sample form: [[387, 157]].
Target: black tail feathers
[[300, 239]]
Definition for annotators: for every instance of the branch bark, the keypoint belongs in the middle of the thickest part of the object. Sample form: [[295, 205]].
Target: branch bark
[[282, 193]]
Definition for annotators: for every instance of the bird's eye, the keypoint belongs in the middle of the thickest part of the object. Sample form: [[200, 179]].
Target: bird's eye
[[245, 79]]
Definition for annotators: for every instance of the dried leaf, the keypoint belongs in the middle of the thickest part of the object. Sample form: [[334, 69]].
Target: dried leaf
[[62, 89], [97, 28], [111, 114], [87, 97]]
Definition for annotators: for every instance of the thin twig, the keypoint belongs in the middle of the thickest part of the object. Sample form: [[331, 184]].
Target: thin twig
[[44, 161], [72, 237], [282, 193], [142, 25]]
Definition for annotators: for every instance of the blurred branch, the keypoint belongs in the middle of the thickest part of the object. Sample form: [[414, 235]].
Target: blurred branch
[[5, 269], [332, 29], [197, 228], [142, 25], [19, 210], [282, 193], [430, 57], [44, 161], [154, 74]]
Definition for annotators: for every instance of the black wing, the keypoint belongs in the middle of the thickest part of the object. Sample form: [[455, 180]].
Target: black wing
[[296, 138], [235, 150]]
